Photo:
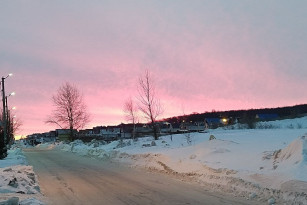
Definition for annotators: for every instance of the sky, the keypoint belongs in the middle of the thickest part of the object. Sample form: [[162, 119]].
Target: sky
[[203, 55]]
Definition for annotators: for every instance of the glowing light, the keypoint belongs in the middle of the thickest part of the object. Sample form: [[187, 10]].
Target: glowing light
[[224, 120], [9, 75], [14, 108], [18, 137], [12, 94]]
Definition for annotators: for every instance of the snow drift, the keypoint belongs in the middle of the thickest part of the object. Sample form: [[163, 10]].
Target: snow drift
[[18, 181], [295, 154]]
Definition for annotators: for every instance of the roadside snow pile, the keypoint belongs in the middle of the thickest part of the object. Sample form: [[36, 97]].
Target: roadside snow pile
[[236, 166], [293, 158], [95, 148], [31, 201], [14, 157], [17, 179], [296, 123], [16, 201]]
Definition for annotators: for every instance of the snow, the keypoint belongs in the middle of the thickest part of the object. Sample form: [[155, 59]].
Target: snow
[[296, 123], [15, 157], [17, 180], [31, 201], [260, 164]]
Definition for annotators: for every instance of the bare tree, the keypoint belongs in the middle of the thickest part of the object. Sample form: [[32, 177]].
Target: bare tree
[[130, 111], [3, 148], [149, 104], [14, 126], [70, 111]]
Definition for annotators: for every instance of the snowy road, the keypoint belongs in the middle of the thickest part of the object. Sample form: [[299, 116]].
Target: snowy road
[[66, 178]]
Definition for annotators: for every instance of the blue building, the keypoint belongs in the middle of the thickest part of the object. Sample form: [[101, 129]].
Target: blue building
[[267, 117]]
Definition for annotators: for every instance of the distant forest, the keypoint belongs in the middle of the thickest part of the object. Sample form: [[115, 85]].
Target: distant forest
[[244, 116]]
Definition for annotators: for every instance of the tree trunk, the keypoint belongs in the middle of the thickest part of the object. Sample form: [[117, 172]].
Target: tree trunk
[[155, 131], [71, 134]]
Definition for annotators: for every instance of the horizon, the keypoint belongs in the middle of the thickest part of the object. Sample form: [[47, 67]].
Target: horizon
[[203, 55], [161, 120]]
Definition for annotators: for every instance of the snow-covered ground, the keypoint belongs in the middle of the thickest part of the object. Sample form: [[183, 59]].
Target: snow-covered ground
[[18, 182], [260, 164]]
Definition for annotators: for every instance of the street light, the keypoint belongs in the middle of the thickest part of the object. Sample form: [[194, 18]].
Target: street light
[[9, 125], [3, 152], [9, 75], [12, 94]]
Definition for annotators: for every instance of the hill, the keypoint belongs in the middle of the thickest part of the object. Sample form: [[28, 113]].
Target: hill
[[244, 116]]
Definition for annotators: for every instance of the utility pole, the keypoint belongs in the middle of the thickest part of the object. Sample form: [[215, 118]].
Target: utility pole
[[3, 144], [4, 112], [3, 148], [8, 123]]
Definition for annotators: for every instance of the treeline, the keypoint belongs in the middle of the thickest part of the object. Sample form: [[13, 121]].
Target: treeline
[[243, 115]]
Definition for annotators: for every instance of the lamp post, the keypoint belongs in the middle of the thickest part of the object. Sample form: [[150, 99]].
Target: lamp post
[[8, 120], [3, 152]]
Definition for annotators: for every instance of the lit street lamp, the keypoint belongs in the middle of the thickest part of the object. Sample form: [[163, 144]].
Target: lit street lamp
[[8, 120]]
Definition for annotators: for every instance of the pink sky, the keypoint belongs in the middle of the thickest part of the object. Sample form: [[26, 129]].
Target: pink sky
[[203, 55]]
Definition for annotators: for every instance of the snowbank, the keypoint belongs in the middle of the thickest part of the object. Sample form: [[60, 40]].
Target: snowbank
[[15, 157], [93, 149], [17, 180], [293, 159], [296, 123]]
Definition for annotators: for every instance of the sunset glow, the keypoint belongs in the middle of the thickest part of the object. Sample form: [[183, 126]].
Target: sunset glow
[[204, 55]]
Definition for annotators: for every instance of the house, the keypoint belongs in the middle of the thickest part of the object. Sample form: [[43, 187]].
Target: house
[[85, 133], [165, 127], [127, 129], [33, 139], [176, 127], [213, 122], [192, 126], [98, 129], [144, 129], [64, 134], [196, 126], [48, 137], [107, 132], [113, 129], [140, 129], [267, 117]]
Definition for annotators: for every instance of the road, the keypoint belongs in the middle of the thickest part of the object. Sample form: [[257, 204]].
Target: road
[[66, 178]]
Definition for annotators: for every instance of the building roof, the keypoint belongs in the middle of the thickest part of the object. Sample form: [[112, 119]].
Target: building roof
[[213, 120], [267, 116]]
